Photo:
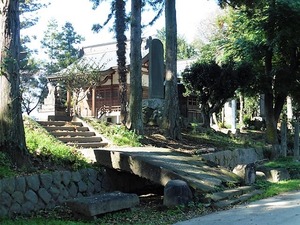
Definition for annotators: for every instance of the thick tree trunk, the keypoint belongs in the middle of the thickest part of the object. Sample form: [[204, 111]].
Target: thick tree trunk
[[171, 114], [136, 93], [121, 54], [271, 122], [12, 137], [206, 120]]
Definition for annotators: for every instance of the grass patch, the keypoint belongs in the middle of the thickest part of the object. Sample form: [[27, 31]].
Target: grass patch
[[273, 189], [288, 162], [5, 166], [118, 134], [226, 141], [43, 145]]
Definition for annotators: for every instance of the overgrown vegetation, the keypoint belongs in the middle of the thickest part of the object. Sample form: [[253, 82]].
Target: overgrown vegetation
[[118, 134], [44, 146], [224, 141]]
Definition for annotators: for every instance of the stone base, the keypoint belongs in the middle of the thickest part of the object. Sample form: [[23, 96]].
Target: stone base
[[90, 207]]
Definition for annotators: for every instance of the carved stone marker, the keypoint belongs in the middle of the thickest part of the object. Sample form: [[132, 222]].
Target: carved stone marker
[[156, 69]]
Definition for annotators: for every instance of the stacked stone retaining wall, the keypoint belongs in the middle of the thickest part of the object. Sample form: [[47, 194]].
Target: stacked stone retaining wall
[[23, 195]]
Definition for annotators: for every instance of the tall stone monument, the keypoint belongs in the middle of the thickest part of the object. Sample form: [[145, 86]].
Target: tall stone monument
[[156, 69]]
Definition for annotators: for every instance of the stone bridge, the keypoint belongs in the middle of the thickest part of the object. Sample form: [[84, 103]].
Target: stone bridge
[[161, 165]]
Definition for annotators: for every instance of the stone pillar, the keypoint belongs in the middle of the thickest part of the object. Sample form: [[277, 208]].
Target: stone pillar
[[289, 109], [233, 115], [296, 140], [156, 69]]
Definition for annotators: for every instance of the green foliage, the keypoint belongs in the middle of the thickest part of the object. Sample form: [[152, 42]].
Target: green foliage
[[41, 144], [5, 166], [118, 134], [184, 49], [59, 45], [272, 189], [287, 162], [214, 84]]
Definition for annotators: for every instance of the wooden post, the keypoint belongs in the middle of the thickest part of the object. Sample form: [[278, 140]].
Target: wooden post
[[283, 139], [296, 140]]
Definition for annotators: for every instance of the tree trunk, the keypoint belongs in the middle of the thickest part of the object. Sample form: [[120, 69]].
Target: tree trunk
[[12, 137], [121, 54], [271, 122], [171, 115], [136, 92]]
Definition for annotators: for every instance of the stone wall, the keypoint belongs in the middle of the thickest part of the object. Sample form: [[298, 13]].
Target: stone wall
[[230, 159], [23, 195]]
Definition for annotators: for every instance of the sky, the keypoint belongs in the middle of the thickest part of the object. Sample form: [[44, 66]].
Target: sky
[[80, 13]]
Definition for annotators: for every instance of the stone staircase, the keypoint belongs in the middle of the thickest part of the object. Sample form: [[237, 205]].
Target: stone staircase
[[230, 197], [73, 134]]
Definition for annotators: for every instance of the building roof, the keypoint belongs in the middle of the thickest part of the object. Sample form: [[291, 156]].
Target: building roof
[[101, 57]]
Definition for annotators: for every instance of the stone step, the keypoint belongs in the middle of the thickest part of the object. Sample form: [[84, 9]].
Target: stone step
[[50, 129], [92, 206], [237, 200], [80, 139], [73, 133], [230, 193], [60, 123], [88, 145]]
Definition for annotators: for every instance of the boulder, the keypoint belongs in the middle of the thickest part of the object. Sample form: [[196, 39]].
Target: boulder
[[177, 192]]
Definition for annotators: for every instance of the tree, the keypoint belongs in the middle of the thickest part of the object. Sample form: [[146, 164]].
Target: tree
[[12, 137], [60, 46], [171, 112], [50, 43], [68, 39], [214, 85], [184, 49], [33, 84], [136, 93], [120, 24], [118, 9], [262, 32], [87, 73], [121, 20]]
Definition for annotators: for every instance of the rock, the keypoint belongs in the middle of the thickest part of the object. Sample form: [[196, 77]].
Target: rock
[[279, 174], [274, 175], [250, 174], [92, 206], [177, 192], [46, 180], [33, 182], [246, 172]]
